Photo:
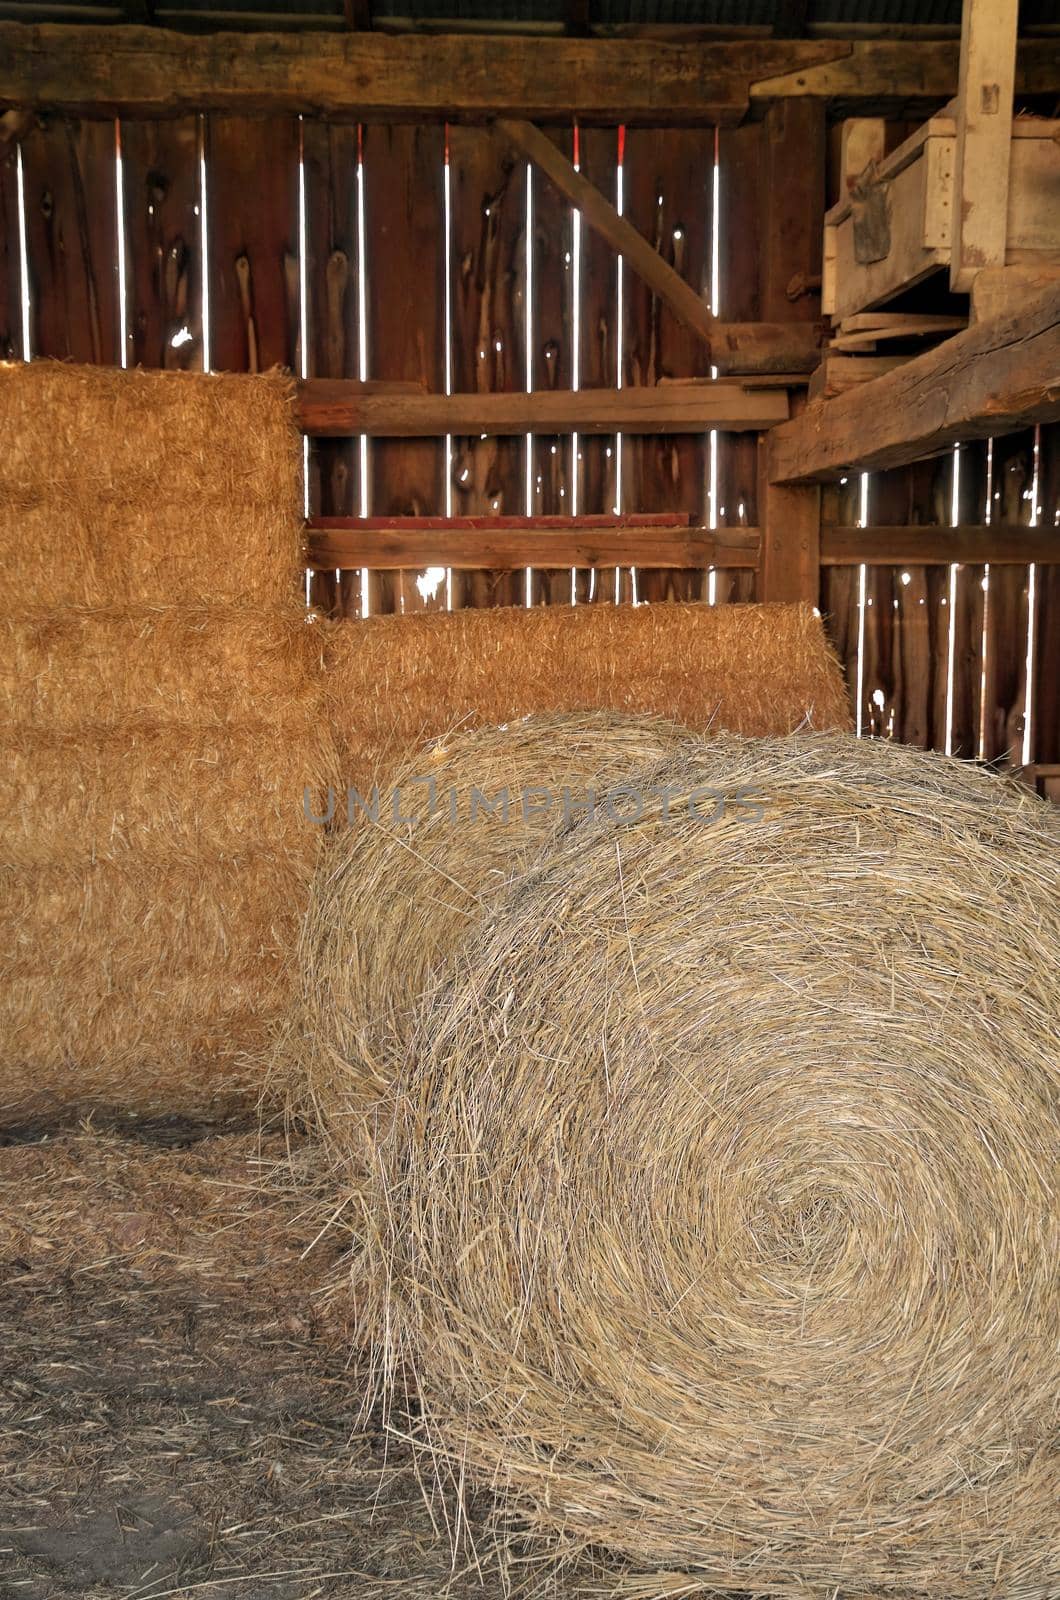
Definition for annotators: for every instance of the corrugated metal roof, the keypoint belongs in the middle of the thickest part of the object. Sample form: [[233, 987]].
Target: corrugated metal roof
[[779, 16]]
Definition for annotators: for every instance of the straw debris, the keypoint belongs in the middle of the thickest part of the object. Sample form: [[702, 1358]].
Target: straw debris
[[720, 1199]]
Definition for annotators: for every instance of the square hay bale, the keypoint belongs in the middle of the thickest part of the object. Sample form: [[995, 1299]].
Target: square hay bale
[[752, 669], [99, 789], [137, 922], [148, 487], [208, 665]]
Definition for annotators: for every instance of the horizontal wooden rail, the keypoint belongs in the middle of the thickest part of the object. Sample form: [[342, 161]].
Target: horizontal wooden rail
[[333, 407], [583, 542], [654, 539], [149, 72], [1001, 544]]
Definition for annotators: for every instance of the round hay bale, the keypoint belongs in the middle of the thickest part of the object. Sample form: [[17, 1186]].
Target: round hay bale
[[393, 899], [719, 1199]]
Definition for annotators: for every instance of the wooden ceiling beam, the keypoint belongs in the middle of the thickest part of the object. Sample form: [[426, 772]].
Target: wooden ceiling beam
[[993, 379], [372, 76], [333, 407]]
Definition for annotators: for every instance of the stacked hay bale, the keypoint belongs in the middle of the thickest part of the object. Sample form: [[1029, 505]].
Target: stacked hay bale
[[161, 716], [395, 682], [719, 1205]]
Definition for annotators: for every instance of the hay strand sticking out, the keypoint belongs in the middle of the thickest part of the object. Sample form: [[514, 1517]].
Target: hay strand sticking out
[[148, 486], [394, 682], [720, 1200], [391, 902]]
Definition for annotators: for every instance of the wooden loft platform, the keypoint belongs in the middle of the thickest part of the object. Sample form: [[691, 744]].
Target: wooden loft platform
[[997, 377]]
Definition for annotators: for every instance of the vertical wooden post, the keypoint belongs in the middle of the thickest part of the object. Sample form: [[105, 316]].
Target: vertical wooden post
[[794, 198], [986, 86], [791, 537]]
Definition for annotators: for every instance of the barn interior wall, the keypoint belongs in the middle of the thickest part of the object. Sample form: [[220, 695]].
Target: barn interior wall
[[433, 254]]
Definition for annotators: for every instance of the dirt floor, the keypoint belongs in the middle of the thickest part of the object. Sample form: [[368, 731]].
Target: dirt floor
[[181, 1402]]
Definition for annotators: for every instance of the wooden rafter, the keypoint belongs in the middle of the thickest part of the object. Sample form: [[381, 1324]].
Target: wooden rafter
[[373, 76], [334, 407], [995, 378]]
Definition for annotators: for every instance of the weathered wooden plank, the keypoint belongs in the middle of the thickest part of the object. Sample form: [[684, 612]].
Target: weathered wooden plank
[[793, 195], [640, 254], [404, 173], [668, 194], [160, 166], [986, 82], [550, 352], [1000, 544], [328, 407], [841, 609], [917, 630], [488, 207], [541, 548], [598, 454], [1045, 724], [330, 157], [993, 379], [10, 265], [740, 220], [252, 202], [791, 542], [152, 72], [969, 602], [71, 239], [1007, 608]]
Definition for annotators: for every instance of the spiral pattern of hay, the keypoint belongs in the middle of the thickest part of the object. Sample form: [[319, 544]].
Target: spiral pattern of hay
[[720, 1194], [392, 902]]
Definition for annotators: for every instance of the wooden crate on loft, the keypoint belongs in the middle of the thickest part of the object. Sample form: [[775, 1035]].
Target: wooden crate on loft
[[896, 226]]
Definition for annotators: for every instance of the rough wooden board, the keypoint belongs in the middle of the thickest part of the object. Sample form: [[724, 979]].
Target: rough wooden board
[[10, 266], [329, 154], [597, 466], [152, 71], [672, 549], [326, 407], [1008, 614], [252, 200], [668, 189], [917, 631], [1045, 723], [404, 167], [550, 355], [740, 260], [71, 235], [886, 545], [160, 164], [793, 194], [983, 114], [993, 379], [488, 198]]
